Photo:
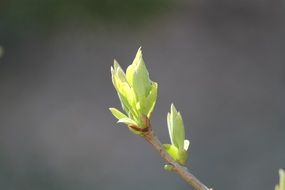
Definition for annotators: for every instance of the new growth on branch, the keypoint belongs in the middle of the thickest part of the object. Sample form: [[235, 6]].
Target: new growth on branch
[[138, 94]]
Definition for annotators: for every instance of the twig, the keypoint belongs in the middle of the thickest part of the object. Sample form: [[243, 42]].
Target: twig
[[177, 168]]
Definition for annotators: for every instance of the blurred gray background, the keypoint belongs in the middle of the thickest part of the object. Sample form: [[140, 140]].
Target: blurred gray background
[[221, 62]]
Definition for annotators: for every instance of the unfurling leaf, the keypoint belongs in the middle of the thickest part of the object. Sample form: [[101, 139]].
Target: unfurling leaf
[[179, 145], [137, 93]]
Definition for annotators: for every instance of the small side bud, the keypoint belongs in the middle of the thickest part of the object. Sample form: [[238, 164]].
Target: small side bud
[[179, 145], [168, 167]]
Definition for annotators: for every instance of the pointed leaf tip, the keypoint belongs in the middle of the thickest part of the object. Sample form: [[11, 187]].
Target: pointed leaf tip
[[116, 64], [140, 49], [119, 115], [173, 110]]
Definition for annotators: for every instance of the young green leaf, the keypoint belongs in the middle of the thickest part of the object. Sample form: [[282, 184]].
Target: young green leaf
[[138, 76], [176, 128], [117, 113]]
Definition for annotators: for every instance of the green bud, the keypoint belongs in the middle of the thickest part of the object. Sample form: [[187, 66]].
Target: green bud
[[179, 146], [138, 76], [281, 185], [137, 93], [179, 156], [168, 167]]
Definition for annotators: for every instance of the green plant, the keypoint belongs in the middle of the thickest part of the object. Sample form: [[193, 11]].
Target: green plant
[[138, 94]]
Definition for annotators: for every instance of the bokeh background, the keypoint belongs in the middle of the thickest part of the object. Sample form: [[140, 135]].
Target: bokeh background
[[221, 62]]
